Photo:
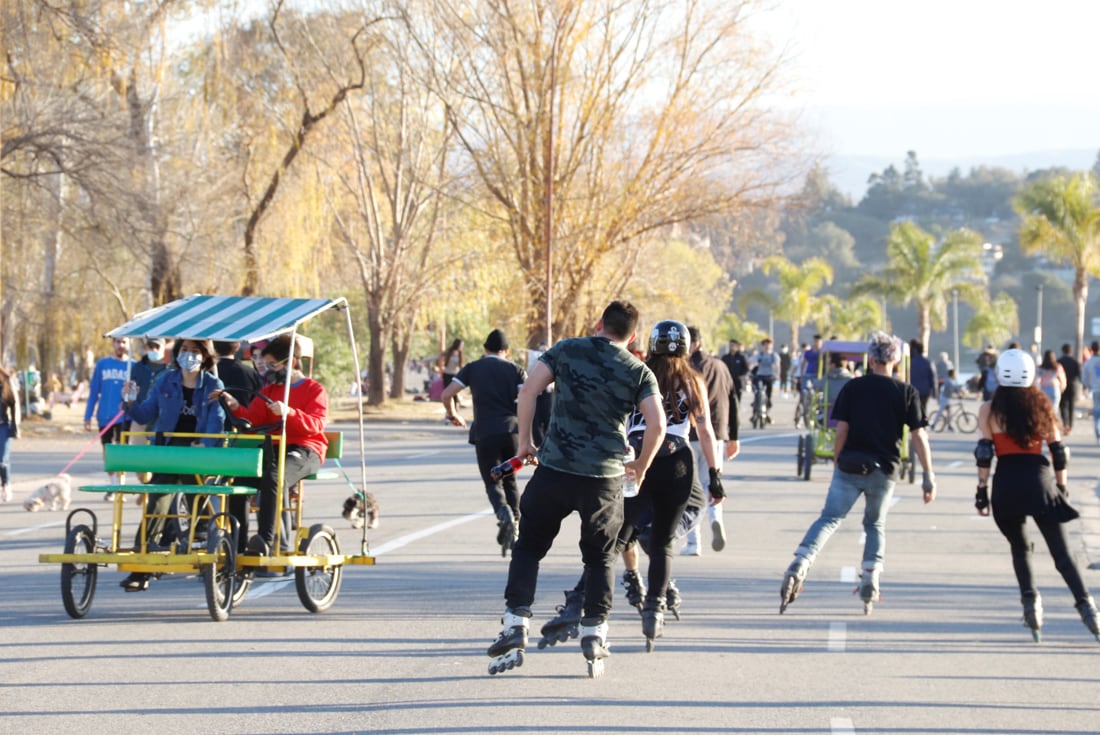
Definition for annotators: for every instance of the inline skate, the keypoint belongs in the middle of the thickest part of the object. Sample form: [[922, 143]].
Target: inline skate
[[507, 650]]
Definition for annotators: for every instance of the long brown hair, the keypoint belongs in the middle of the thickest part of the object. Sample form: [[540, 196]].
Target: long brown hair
[[7, 393], [1025, 413], [675, 375]]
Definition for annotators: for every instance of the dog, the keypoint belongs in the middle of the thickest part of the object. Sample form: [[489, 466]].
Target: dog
[[360, 509], [57, 494]]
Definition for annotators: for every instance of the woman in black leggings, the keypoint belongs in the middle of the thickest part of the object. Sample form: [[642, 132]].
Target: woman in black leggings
[[1014, 424]]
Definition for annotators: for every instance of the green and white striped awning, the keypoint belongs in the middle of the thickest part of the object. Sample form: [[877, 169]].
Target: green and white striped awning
[[229, 318]]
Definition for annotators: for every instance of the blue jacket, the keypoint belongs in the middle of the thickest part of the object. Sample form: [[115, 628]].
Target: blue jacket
[[162, 407]]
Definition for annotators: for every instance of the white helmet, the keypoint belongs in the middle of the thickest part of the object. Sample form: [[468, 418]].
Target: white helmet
[[1015, 369]]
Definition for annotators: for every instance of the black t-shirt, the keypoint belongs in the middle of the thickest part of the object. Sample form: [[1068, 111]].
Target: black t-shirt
[[495, 383], [877, 408], [1071, 367], [188, 420]]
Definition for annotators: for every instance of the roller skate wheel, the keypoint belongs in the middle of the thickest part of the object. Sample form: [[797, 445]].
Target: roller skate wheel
[[506, 662], [595, 668]]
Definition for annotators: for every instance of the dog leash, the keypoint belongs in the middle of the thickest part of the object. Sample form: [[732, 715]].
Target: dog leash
[[358, 493], [88, 446]]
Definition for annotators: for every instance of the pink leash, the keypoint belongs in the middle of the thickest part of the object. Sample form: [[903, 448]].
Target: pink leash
[[93, 441]]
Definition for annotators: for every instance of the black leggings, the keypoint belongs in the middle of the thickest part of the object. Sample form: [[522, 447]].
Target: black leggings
[[1013, 529], [667, 489]]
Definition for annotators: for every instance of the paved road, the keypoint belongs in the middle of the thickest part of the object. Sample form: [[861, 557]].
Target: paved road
[[402, 650]]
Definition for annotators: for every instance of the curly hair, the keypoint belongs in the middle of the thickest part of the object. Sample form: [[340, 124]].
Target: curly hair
[[1025, 413], [675, 375]]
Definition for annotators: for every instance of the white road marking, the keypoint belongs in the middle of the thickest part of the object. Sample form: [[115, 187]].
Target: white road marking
[[847, 574], [838, 637], [21, 531], [763, 437], [397, 543], [956, 463], [841, 726], [267, 587]]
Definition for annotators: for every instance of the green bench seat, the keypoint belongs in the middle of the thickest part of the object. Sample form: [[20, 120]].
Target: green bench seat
[[203, 461]]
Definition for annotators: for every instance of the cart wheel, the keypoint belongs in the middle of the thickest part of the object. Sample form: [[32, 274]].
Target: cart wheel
[[242, 586], [318, 586], [78, 579], [220, 577], [809, 462], [799, 456]]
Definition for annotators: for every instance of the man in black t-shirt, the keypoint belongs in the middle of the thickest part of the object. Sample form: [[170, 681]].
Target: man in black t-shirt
[[872, 413], [1069, 395], [495, 383], [241, 380]]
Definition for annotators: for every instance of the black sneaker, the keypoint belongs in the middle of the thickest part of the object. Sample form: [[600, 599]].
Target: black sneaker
[[258, 547], [136, 582]]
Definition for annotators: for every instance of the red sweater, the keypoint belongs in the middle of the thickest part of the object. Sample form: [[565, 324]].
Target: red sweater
[[305, 421]]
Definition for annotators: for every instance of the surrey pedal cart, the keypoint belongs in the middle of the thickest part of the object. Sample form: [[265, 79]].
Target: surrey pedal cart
[[836, 366], [207, 541]]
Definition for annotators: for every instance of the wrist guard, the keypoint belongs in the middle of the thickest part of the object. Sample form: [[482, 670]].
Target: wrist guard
[[983, 453], [716, 490], [981, 499], [1059, 456]]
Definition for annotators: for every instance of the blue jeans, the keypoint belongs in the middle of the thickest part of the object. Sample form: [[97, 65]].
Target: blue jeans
[[5, 453], [1096, 412], [844, 490]]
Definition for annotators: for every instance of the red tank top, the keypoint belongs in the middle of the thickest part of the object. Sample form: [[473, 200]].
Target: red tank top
[[1004, 444]]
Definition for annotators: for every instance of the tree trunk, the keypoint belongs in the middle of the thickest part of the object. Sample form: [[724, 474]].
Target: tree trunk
[[1081, 300], [924, 324], [400, 347], [376, 356]]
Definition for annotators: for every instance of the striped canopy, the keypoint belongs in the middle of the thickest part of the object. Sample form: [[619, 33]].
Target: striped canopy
[[228, 318]]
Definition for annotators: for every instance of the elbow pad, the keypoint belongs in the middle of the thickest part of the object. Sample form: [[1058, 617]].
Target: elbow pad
[[1059, 455], [983, 453]]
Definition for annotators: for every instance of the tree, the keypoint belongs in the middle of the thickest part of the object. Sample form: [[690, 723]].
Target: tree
[[593, 126], [923, 271], [994, 323], [797, 301], [1061, 220], [854, 318]]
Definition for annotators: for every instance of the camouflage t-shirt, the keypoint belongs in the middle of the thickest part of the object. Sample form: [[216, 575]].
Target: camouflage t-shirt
[[596, 386]]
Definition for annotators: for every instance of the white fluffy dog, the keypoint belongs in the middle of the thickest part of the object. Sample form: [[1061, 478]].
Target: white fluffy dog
[[57, 493]]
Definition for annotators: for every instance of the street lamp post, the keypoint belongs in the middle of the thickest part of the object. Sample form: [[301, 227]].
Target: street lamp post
[[1039, 318], [955, 302]]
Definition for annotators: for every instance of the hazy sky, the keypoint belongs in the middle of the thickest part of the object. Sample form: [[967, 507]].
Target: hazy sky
[[948, 79]]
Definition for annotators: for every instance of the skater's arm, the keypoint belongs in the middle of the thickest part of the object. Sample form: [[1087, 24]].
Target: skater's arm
[[924, 453], [841, 438], [539, 379]]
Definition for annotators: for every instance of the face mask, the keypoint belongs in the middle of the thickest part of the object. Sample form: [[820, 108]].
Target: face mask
[[277, 375], [189, 362], [155, 355]]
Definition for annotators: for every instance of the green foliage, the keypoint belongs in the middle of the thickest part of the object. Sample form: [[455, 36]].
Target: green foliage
[[797, 301], [995, 323]]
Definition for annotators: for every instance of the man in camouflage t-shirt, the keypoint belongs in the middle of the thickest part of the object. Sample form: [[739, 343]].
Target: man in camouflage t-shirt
[[597, 385]]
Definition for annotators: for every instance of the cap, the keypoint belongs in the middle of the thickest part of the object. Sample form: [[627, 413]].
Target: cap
[[154, 342], [496, 341]]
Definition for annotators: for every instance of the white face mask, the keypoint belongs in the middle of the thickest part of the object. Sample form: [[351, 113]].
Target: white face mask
[[189, 362], [155, 355]]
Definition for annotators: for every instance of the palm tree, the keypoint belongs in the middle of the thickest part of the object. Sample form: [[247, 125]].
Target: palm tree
[[924, 272], [853, 318], [995, 323], [797, 301], [1062, 221]]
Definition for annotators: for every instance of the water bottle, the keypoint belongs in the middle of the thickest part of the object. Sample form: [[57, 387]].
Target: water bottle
[[630, 482], [506, 468]]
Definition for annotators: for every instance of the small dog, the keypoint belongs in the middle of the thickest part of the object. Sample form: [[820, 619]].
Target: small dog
[[57, 493], [360, 509]]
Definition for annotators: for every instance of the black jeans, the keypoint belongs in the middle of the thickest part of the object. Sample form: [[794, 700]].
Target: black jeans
[[491, 451], [301, 462], [549, 497]]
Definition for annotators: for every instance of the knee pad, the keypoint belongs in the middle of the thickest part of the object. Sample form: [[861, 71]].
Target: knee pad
[[1059, 455], [984, 453]]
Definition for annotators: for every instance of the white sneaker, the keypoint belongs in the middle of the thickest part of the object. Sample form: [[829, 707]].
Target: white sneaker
[[691, 550]]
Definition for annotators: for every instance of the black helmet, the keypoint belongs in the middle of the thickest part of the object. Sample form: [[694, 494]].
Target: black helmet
[[669, 338]]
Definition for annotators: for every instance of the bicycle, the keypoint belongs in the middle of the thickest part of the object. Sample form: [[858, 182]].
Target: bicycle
[[952, 417], [804, 409], [760, 417]]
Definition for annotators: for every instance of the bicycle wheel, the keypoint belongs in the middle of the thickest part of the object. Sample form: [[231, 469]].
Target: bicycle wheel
[[78, 579], [966, 422], [318, 586]]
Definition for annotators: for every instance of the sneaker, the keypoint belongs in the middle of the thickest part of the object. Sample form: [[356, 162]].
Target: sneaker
[[136, 582], [718, 535], [258, 547], [5, 494], [691, 550]]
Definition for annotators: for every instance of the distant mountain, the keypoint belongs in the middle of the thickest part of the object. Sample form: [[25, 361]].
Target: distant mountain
[[849, 173]]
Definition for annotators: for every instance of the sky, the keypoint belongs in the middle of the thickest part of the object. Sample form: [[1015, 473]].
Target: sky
[[951, 80]]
